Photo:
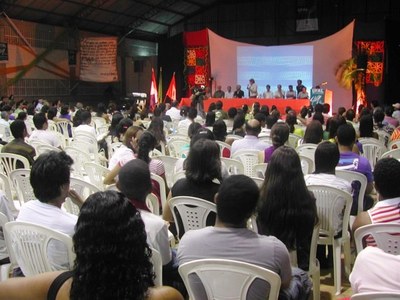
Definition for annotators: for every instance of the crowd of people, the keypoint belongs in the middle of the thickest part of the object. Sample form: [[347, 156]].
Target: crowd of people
[[285, 210]]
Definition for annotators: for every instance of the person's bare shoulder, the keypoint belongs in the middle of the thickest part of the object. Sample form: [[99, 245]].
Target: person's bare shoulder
[[164, 293], [361, 220]]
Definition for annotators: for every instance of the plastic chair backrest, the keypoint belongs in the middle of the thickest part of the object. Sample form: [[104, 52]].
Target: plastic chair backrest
[[222, 146], [169, 165], [307, 149], [44, 148], [84, 190], [352, 176], [227, 279], [178, 147], [307, 164], [249, 158], [258, 181], [64, 127], [29, 244], [293, 140], [79, 157], [10, 162], [376, 296], [193, 212], [386, 236], [372, 150], [395, 153], [163, 190], [233, 166], [394, 145], [152, 204], [22, 184], [234, 137], [329, 201], [5, 187], [259, 170], [96, 173]]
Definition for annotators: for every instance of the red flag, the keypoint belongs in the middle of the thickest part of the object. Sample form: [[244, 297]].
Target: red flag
[[171, 92], [153, 91]]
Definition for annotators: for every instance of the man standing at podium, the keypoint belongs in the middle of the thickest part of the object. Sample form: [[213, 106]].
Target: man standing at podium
[[252, 88]]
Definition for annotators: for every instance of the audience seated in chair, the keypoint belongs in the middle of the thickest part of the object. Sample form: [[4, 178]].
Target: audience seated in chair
[[387, 185], [50, 179], [124, 254], [288, 213], [230, 239], [250, 140], [279, 136], [41, 133], [18, 144]]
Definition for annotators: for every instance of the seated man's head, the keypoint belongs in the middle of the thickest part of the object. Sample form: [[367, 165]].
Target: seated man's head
[[326, 158], [134, 180], [253, 127], [346, 135], [50, 175], [387, 178], [86, 117], [236, 200], [40, 121], [18, 129]]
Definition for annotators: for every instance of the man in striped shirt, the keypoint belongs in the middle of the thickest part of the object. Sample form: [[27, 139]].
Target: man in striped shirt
[[387, 184]]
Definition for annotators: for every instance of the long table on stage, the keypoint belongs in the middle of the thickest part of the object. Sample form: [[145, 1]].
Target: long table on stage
[[281, 104]]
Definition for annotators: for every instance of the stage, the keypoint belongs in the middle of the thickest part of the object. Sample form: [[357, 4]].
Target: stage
[[281, 104]]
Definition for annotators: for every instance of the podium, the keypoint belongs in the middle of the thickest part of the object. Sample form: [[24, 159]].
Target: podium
[[321, 96]]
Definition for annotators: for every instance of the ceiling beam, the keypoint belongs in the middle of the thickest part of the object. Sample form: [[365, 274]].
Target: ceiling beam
[[163, 5]]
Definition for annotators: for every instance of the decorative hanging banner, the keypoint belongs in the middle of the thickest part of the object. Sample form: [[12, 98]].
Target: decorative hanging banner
[[98, 61], [375, 51]]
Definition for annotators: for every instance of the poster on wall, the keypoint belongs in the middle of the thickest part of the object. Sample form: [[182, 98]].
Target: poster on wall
[[98, 59], [3, 52]]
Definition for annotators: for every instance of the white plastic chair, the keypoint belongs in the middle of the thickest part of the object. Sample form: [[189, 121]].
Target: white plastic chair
[[5, 268], [329, 201], [395, 153], [177, 176], [233, 166], [307, 149], [112, 148], [394, 145], [163, 190], [156, 260], [222, 146], [178, 147], [234, 137], [227, 279], [386, 236], [307, 164], [259, 170], [249, 158], [29, 245], [64, 126], [5, 187], [293, 140], [84, 190], [96, 173], [169, 165], [21, 181], [372, 150], [10, 162], [193, 212], [376, 296], [351, 176], [79, 157], [152, 204], [258, 181]]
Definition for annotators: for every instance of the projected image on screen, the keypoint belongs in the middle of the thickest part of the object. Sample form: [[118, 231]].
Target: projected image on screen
[[275, 65]]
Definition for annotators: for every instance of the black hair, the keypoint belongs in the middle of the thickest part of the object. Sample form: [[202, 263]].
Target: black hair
[[123, 126], [232, 112], [366, 126], [64, 110], [270, 121], [346, 135], [203, 163], [112, 255], [238, 122], [210, 119], [389, 110], [387, 177], [319, 117], [193, 128], [219, 104], [184, 111], [17, 129], [341, 110], [157, 129], [30, 110], [279, 134], [192, 114], [291, 120], [260, 117], [303, 111], [326, 108], [49, 172], [134, 180], [326, 157], [288, 213], [39, 120], [237, 199], [265, 110], [116, 118], [147, 142], [314, 133], [22, 115], [334, 124], [350, 115], [219, 130], [45, 108], [212, 107], [319, 108], [379, 116], [51, 113], [85, 116]]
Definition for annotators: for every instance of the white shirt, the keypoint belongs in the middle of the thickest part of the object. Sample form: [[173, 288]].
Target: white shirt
[[123, 153], [249, 142], [268, 95], [85, 128], [45, 136], [185, 123], [7, 212], [252, 90], [157, 234], [7, 133], [228, 94], [174, 113], [375, 271], [52, 217]]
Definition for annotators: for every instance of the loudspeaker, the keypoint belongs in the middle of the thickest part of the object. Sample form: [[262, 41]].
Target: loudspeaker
[[138, 66]]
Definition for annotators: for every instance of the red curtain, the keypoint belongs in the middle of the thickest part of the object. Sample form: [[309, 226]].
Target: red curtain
[[197, 59]]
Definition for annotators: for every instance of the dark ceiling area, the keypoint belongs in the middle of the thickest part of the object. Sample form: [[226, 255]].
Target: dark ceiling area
[[144, 19]]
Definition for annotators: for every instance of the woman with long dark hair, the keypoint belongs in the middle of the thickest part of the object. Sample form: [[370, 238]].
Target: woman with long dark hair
[[112, 258], [287, 209]]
